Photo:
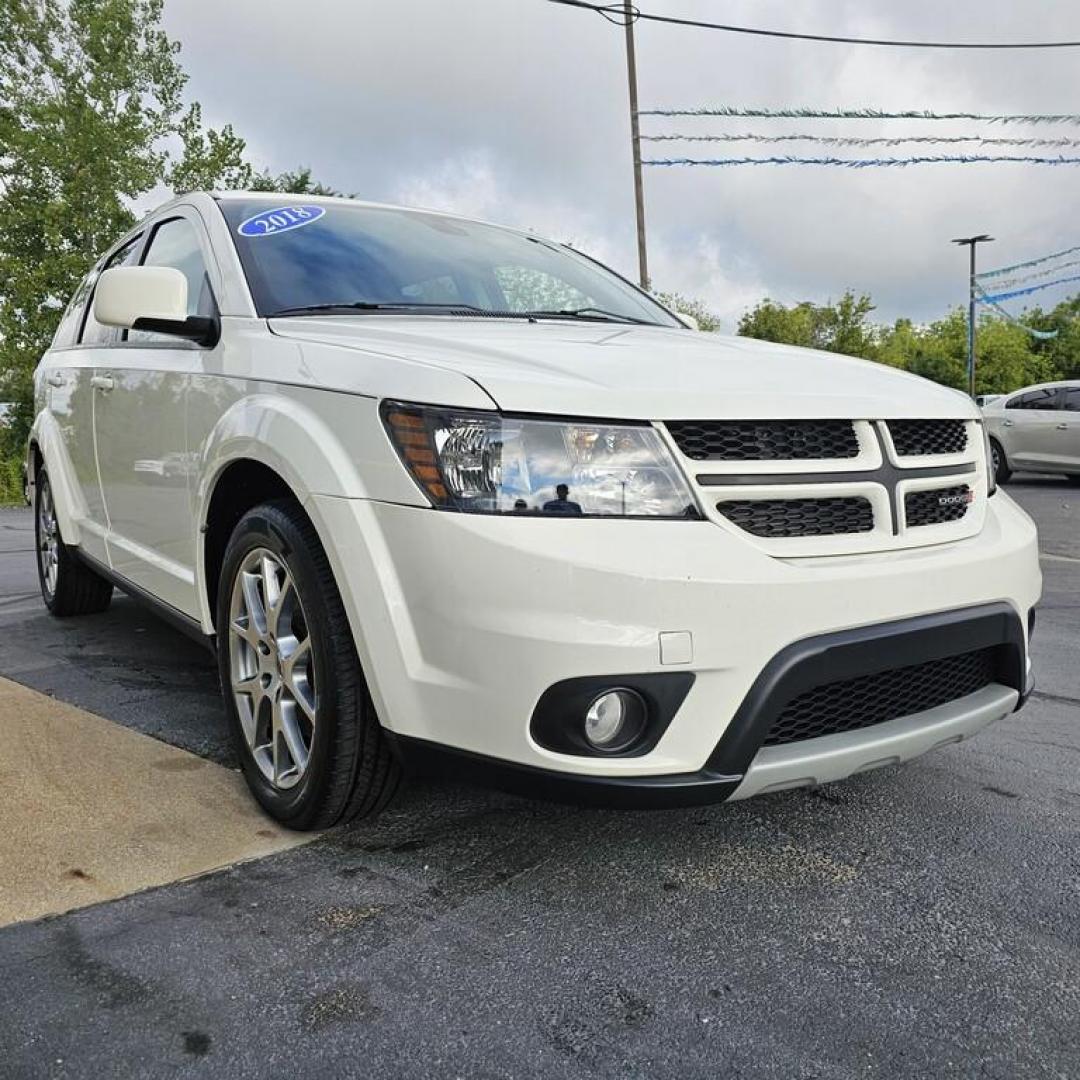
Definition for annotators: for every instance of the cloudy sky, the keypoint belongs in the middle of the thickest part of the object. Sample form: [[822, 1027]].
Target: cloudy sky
[[516, 111]]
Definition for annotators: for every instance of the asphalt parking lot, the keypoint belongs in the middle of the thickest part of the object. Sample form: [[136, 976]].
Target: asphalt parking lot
[[920, 922]]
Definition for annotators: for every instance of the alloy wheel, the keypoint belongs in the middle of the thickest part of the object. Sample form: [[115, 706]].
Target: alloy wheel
[[272, 668], [48, 538]]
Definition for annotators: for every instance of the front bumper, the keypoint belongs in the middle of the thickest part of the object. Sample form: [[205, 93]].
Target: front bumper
[[462, 622]]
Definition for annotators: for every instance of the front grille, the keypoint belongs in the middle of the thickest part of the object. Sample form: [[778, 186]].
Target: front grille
[[916, 437], [873, 699], [799, 517], [937, 506], [764, 440]]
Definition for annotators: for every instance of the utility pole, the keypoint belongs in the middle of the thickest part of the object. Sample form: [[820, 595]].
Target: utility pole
[[971, 242], [635, 137]]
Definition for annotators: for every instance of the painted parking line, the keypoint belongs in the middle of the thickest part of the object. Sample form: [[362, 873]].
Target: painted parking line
[[94, 810]]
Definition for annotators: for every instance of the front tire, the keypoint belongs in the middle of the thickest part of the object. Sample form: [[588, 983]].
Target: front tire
[[312, 749], [68, 586], [1000, 464]]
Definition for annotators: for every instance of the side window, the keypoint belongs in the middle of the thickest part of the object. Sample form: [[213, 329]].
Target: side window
[[175, 243], [68, 330], [1034, 399], [529, 289], [93, 332], [1071, 398]]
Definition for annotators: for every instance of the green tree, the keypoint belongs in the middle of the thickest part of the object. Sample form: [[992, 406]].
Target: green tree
[[842, 327], [298, 182], [90, 99], [706, 319]]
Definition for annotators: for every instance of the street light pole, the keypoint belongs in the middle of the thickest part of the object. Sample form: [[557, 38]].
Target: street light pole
[[635, 138], [971, 242]]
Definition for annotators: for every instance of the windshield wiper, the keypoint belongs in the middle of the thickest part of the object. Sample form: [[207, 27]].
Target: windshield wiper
[[592, 314], [369, 305]]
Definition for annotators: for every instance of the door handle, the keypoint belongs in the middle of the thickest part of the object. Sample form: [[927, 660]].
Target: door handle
[[1063, 427], [56, 379], [1006, 423], [102, 382]]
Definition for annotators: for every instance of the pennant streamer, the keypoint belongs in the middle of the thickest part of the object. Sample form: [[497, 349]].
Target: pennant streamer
[[1024, 265], [1042, 335], [990, 298], [871, 114], [1021, 279], [829, 140], [866, 163]]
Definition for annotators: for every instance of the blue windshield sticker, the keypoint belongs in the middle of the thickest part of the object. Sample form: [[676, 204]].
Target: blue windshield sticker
[[280, 219]]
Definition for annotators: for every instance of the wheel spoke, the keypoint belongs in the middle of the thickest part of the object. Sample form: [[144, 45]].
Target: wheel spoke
[[293, 739], [252, 601]]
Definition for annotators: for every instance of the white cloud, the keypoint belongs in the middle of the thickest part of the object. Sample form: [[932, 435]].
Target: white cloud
[[515, 111]]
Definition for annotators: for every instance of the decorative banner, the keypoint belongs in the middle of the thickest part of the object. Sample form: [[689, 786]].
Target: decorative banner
[[1024, 265], [1021, 279], [865, 163], [870, 114], [840, 140], [992, 297], [1042, 335]]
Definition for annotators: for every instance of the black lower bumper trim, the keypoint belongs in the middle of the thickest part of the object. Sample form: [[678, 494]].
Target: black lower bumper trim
[[424, 758]]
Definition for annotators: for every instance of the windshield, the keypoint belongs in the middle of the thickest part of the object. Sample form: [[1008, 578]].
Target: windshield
[[299, 256]]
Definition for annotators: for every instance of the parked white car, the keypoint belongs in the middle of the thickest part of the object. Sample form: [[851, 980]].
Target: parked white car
[[1036, 429], [444, 495]]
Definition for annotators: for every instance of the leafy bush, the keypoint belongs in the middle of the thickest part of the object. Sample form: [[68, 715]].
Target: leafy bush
[[11, 482]]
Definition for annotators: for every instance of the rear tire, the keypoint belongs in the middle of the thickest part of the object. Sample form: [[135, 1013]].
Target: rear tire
[[68, 586], [312, 749], [1002, 472]]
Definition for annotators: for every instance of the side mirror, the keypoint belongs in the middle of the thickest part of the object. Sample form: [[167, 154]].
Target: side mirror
[[150, 298], [687, 320]]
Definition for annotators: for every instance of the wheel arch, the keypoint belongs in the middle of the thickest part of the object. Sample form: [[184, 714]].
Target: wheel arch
[[45, 449]]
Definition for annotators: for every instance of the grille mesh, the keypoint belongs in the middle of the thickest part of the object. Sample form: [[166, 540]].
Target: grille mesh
[[799, 517], [764, 440], [873, 699], [927, 508], [913, 437]]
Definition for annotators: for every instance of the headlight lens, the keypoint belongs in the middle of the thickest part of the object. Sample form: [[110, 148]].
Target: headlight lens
[[488, 463], [991, 474]]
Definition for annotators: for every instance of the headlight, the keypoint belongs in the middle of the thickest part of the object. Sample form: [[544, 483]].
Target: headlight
[[991, 475], [488, 463]]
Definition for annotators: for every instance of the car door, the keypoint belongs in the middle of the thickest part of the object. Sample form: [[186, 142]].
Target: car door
[[71, 398], [140, 426], [1069, 428], [1028, 428]]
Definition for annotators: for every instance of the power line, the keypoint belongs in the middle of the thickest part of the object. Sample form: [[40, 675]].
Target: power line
[[620, 15], [865, 114], [865, 163]]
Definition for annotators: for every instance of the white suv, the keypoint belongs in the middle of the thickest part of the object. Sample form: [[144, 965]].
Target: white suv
[[449, 496]]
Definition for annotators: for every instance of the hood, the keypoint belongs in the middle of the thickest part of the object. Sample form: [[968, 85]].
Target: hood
[[638, 372]]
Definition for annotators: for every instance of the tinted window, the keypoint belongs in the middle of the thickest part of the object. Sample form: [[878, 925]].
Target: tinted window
[[1034, 399], [68, 330], [95, 333], [1072, 398], [175, 243], [308, 255]]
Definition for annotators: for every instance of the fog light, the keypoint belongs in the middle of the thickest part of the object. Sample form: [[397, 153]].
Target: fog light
[[614, 720]]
